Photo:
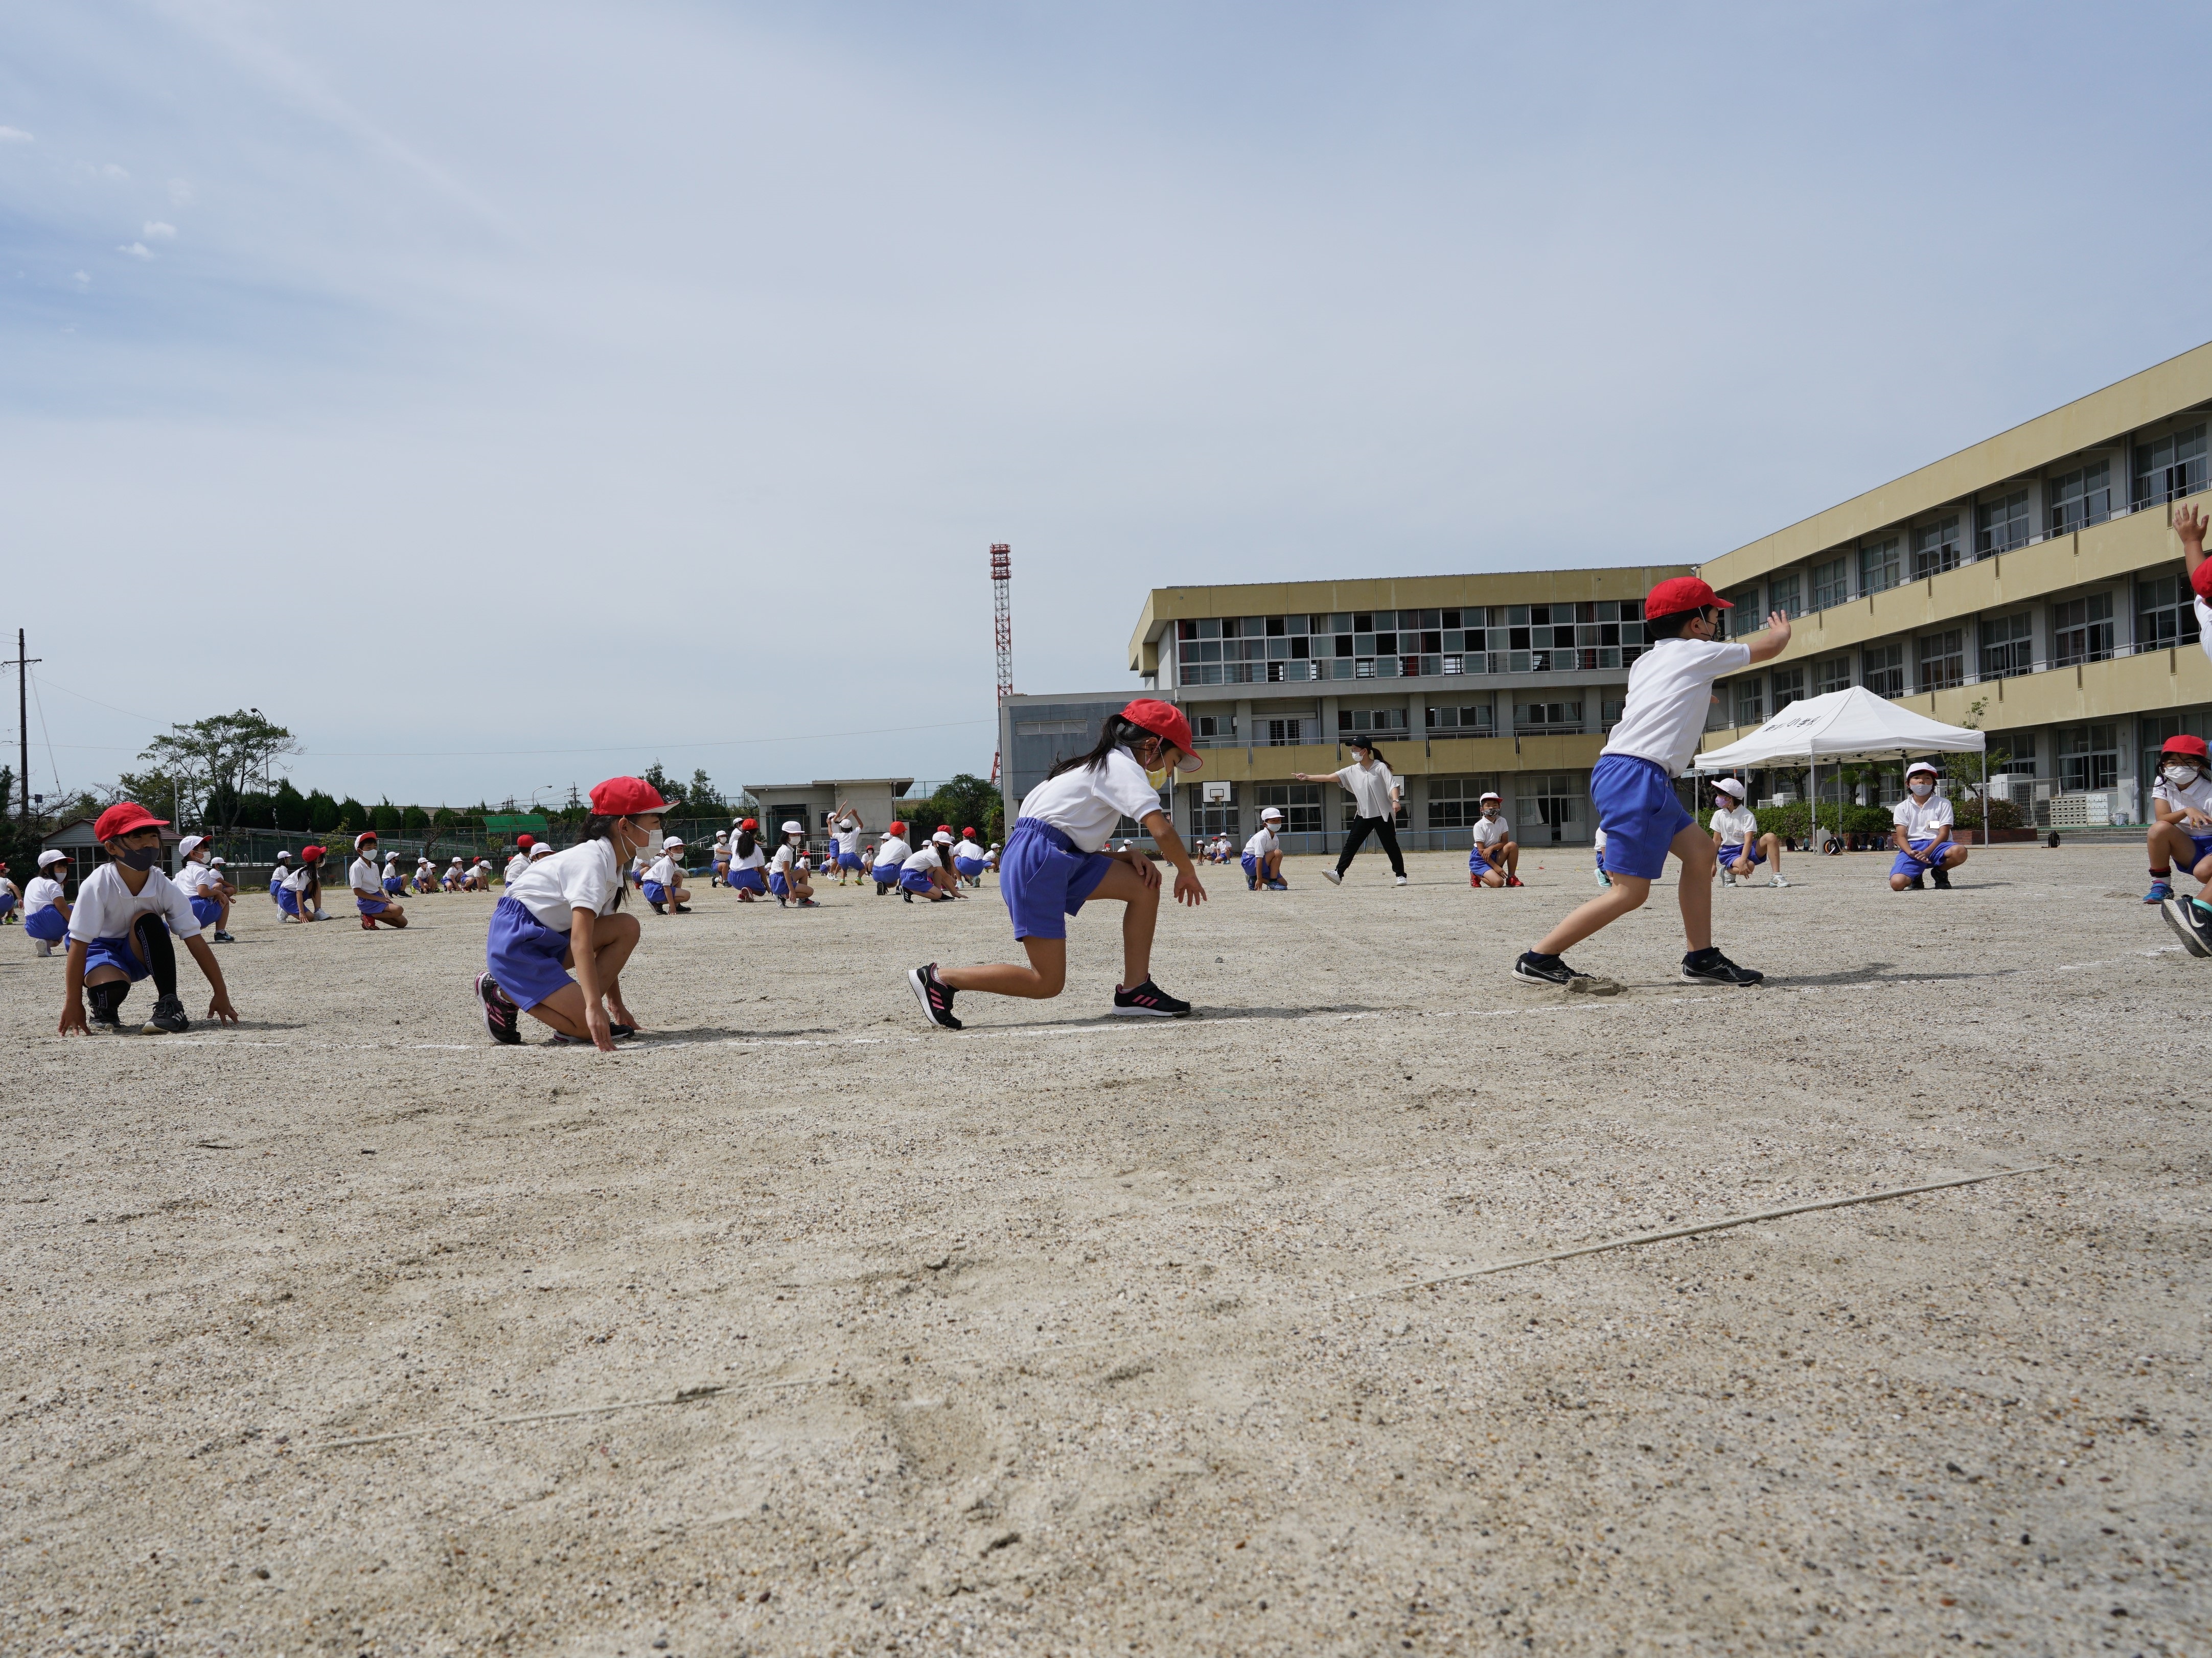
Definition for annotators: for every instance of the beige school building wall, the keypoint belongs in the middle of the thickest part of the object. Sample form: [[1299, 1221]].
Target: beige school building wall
[[2031, 585]]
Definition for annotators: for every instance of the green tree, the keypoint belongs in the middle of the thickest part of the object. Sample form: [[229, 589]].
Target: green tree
[[414, 822], [701, 796], [164, 793], [969, 802], [214, 758], [353, 815], [670, 792], [289, 808], [322, 812], [388, 820]]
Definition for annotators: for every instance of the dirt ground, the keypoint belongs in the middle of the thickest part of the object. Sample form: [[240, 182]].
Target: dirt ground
[[801, 1328]]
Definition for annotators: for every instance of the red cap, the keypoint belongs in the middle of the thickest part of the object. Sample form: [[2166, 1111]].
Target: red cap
[[125, 818], [2201, 580], [627, 797], [944, 828], [751, 823], [1680, 593], [969, 833], [2192, 746], [1164, 719], [894, 828], [310, 854], [525, 840]]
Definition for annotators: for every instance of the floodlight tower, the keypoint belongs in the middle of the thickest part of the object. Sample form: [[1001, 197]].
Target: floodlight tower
[[1002, 620]]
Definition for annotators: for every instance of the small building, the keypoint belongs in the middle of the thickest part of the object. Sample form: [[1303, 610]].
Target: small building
[[75, 838], [875, 800]]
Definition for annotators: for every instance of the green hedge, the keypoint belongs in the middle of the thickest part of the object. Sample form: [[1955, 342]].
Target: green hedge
[[1795, 819]]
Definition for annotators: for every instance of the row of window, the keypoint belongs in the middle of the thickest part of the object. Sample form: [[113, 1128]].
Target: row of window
[[1607, 611], [1600, 658], [2165, 468], [1460, 720]]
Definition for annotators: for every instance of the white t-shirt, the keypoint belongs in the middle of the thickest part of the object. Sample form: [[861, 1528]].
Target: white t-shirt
[[1490, 831], [1262, 844], [990, 857], [1084, 803], [193, 877], [2198, 797], [2205, 626], [298, 879], [752, 859], [43, 893], [848, 835], [361, 876], [1669, 689], [894, 850], [106, 908], [1920, 819], [1738, 827], [516, 864], [664, 871], [965, 847], [1597, 843], [926, 858], [587, 876], [1370, 787], [788, 857]]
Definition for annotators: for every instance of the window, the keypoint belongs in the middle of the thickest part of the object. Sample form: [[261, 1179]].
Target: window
[[1288, 733], [1457, 802], [1884, 669], [2089, 757], [1878, 565], [1788, 687], [1936, 547], [2008, 646], [2081, 630], [1785, 593], [1832, 675], [1052, 728], [1300, 804], [1549, 808], [1370, 720], [1539, 717], [2166, 612], [1830, 583], [1746, 617], [2001, 525], [1476, 720], [2171, 466], [1400, 819], [1750, 701], [1214, 730], [1942, 659], [2080, 498]]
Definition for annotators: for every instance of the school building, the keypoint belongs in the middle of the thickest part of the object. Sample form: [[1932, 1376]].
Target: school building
[[2030, 586]]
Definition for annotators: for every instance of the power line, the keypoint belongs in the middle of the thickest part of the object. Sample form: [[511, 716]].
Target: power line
[[606, 748]]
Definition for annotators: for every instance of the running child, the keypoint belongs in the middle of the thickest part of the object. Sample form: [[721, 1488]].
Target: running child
[[1377, 796], [891, 858], [559, 918], [1494, 859], [927, 872], [204, 888], [1263, 855], [2180, 832], [45, 907], [301, 897], [119, 930], [1055, 865], [748, 873], [718, 874], [1923, 833], [968, 857], [787, 873], [1736, 832], [1632, 784], [663, 885], [368, 895]]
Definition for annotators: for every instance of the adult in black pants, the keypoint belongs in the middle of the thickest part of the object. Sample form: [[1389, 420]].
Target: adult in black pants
[[1376, 793]]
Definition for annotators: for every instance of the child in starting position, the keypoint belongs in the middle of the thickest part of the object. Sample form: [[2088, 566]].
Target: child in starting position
[[891, 858], [748, 876], [968, 859], [204, 887], [368, 884], [1055, 865], [1922, 833], [46, 910], [1632, 784], [301, 897], [1494, 860], [119, 930], [2181, 832], [786, 871], [719, 873], [1736, 832], [927, 872], [664, 881], [1263, 855]]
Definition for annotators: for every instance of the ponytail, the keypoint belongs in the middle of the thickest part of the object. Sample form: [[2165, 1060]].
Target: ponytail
[[747, 840], [1114, 732], [598, 828]]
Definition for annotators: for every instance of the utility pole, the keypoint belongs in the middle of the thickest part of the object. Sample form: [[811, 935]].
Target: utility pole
[[21, 665], [1002, 628]]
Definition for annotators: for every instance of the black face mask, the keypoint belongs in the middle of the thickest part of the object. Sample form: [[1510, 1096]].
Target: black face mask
[[142, 858]]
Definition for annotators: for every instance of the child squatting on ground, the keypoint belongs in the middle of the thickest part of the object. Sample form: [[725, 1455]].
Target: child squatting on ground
[[119, 929], [1922, 833], [1632, 786], [1055, 863]]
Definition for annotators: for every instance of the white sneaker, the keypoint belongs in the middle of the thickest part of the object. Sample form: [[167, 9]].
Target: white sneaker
[[1334, 878], [1603, 879], [1726, 879], [1400, 882], [1778, 881], [44, 949]]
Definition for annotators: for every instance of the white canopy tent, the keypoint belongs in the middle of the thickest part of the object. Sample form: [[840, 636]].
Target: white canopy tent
[[1845, 726]]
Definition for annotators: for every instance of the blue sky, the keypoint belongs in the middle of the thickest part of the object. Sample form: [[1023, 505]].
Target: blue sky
[[502, 396]]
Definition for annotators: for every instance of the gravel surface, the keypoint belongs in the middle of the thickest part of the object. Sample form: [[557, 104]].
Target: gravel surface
[[799, 1327]]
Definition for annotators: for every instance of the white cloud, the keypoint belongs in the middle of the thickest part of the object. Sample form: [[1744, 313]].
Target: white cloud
[[83, 279], [111, 171], [14, 136], [157, 231], [180, 193], [137, 251]]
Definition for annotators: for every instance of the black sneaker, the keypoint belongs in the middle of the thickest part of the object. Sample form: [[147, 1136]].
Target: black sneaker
[[683, 909], [104, 1022], [166, 1019], [224, 938], [1149, 1001], [2190, 924], [502, 1017], [1710, 966], [1535, 970], [934, 995], [1919, 884], [658, 909], [1942, 878], [620, 1031]]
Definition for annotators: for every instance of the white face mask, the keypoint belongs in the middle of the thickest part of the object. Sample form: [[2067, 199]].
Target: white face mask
[[1921, 791], [2182, 777]]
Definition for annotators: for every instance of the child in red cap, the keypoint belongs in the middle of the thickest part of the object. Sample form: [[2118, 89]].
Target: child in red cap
[[119, 930], [1055, 862], [1632, 786]]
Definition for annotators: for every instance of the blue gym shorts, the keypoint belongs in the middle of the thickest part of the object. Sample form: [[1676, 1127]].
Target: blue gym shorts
[[523, 954], [1637, 809], [1044, 879]]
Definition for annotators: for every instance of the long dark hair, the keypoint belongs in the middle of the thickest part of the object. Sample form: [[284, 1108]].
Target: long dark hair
[[1114, 732], [747, 840], [597, 828], [1371, 748]]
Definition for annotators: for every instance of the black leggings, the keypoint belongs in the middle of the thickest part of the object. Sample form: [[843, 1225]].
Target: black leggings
[[152, 933], [1384, 830]]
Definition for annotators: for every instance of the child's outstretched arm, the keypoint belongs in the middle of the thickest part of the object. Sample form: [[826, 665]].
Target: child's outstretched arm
[[1775, 640], [1188, 889]]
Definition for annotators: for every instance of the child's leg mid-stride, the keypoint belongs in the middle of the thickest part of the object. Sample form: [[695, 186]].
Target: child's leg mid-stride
[[1630, 893], [1046, 975]]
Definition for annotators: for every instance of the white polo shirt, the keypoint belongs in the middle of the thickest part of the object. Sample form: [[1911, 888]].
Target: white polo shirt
[[43, 893], [1262, 844], [1085, 802], [1489, 831], [193, 878], [2198, 797], [587, 876], [1663, 714], [1371, 788], [926, 858], [106, 908], [1921, 819], [1736, 828], [894, 850], [516, 864], [752, 859], [848, 836], [787, 859], [362, 877], [664, 871]]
